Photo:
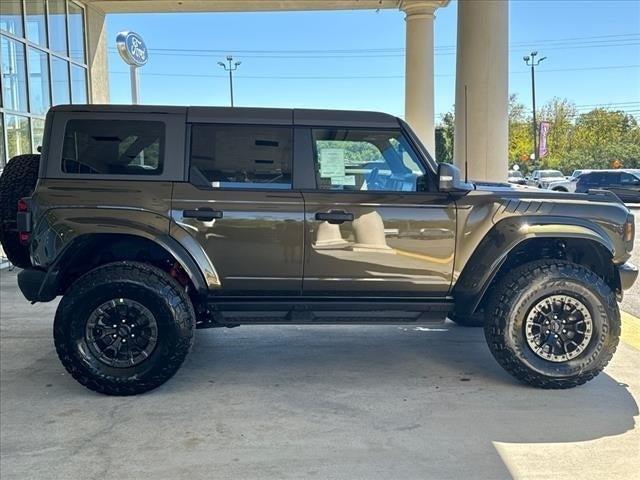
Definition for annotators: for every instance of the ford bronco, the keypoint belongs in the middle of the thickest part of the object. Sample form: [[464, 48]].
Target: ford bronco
[[153, 221]]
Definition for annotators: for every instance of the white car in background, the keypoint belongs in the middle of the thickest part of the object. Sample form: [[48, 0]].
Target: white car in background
[[569, 184]]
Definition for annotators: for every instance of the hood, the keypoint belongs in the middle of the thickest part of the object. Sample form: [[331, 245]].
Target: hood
[[542, 194]]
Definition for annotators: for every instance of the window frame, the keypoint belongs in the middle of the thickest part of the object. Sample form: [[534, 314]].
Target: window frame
[[425, 164], [173, 146], [189, 143]]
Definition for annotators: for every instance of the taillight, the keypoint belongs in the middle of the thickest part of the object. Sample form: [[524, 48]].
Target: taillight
[[24, 222], [23, 206]]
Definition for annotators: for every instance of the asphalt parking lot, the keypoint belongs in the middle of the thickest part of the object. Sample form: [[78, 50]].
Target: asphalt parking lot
[[311, 402]]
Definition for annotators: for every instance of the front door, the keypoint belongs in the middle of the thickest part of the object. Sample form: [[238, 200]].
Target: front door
[[240, 206], [367, 228], [625, 185]]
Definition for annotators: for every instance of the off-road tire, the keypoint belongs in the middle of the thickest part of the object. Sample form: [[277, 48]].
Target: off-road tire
[[519, 291], [154, 289], [474, 320], [18, 180]]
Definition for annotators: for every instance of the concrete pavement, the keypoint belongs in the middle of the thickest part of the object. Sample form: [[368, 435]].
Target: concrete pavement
[[311, 402]]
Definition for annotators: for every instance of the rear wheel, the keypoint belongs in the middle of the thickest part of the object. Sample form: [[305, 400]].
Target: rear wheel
[[18, 180], [553, 324], [124, 328]]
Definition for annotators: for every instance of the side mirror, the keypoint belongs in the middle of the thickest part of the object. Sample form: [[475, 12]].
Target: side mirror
[[449, 180]]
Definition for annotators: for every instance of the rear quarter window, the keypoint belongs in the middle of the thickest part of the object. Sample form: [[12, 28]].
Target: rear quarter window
[[113, 147]]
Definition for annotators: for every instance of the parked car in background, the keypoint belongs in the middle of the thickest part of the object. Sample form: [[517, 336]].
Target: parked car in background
[[516, 178], [542, 178], [624, 183], [569, 184]]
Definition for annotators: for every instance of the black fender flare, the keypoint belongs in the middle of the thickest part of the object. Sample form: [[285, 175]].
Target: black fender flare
[[62, 232], [503, 238]]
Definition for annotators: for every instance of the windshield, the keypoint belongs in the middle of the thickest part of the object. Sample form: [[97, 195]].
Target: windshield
[[552, 174], [514, 174]]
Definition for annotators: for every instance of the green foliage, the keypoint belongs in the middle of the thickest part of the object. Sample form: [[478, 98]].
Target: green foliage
[[600, 138], [444, 139]]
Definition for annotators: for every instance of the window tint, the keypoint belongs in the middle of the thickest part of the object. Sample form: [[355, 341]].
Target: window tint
[[359, 160], [224, 156], [113, 147]]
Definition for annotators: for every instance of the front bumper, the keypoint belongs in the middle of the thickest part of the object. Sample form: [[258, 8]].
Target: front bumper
[[628, 274]]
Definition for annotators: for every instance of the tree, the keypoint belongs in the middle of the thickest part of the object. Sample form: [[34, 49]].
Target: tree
[[520, 139], [560, 113], [444, 138]]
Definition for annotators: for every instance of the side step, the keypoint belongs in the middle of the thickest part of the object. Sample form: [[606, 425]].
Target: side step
[[230, 313]]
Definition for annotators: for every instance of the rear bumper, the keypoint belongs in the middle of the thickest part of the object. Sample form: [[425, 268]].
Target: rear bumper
[[628, 274], [37, 285]]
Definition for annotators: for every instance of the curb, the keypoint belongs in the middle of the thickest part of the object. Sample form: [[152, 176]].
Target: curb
[[630, 330]]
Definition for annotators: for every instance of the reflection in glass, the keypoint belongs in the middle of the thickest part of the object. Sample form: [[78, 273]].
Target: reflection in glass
[[76, 32], [11, 17], [58, 26], [60, 83], [78, 84], [37, 132], [36, 25], [38, 81], [17, 135], [14, 76]]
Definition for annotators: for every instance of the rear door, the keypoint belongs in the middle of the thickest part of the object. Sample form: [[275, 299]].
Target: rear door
[[240, 206], [367, 228]]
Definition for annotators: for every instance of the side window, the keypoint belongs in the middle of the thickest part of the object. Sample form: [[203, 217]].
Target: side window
[[241, 157], [113, 147], [595, 179], [611, 179], [627, 179], [365, 160]]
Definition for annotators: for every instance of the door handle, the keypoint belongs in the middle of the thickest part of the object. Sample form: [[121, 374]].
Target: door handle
[[202, 214], [335, 217]]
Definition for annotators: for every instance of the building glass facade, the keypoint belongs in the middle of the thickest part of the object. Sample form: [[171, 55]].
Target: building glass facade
[[42, 63]]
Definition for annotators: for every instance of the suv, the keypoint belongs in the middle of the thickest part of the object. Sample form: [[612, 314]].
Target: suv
[[624, 183], [151, 222], [542, 178]]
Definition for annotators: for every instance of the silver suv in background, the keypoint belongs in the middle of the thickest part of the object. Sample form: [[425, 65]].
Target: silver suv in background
[[542, 178]]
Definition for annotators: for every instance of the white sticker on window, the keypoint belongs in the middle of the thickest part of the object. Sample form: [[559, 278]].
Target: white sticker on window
[[344, 180], [331, 162]]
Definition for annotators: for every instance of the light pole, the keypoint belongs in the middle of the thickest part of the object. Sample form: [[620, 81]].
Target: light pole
[[530, 60], [232, 67]]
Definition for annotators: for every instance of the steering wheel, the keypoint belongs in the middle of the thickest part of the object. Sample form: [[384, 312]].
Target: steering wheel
[[374, 181]]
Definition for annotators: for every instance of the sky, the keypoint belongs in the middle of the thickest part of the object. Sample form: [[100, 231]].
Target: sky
[[355, 59]]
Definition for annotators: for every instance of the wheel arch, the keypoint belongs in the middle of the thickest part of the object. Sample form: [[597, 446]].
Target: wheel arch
[[511, 243], [91, 250]]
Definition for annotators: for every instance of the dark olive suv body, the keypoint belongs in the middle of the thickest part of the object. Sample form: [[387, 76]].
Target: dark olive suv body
[[153, 221]]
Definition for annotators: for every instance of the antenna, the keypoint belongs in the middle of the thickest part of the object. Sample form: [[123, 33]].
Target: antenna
[[466, 145]]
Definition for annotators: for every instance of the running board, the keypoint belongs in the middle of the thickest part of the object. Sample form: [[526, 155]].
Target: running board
[[231, 313]]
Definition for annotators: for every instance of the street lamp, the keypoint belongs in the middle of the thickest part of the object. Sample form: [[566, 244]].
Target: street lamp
[[531, 61], [232, 67]]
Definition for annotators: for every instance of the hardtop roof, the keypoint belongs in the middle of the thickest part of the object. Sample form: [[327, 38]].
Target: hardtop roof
[[250, 115]]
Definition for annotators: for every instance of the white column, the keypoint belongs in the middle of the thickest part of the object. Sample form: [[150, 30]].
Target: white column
[[419, 90], [482, 66], [96, 32]]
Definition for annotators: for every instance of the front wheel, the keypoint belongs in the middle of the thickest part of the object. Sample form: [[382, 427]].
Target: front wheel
[[553, 324], [124, 328]]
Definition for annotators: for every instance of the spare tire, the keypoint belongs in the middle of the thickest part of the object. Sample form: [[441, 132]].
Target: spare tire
[[17, 180]]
